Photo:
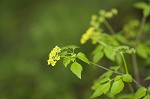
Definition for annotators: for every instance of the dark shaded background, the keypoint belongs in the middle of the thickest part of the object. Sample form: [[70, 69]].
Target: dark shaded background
[[29, 29]]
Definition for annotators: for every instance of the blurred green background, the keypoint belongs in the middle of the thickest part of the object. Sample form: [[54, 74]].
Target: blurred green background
[[29, 29]]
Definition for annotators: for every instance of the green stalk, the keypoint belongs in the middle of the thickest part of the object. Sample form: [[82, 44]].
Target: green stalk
[[139, 34], [106, 68], [134, 58], [109, 27], [125, 64], [102, 43]]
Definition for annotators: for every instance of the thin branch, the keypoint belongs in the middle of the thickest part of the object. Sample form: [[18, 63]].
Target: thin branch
[[102, 43], [138, 37], [109, 27], [125, 64], [139, 34], [139, 85], [135, 67]]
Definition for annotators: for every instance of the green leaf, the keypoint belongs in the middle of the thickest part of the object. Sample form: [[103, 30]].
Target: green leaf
[[76, 68], [63, 53], [149, 90], [140, 5], [106, 79], [125, 96], [97, 57], [70, 46], [141, 92], [127, 78], [147, 11], [147, 78], [117, 87], [106, 74], [115, 68], [118, 77], [147, 97], [102, 89], [82, 57], [142, 50], [145, 7], [121, 38], [97, 49], [109, 53], [66, 61]]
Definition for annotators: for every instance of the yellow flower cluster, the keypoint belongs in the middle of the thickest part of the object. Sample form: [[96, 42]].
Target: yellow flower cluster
[[86, 36], [53, 56], [108, 14]]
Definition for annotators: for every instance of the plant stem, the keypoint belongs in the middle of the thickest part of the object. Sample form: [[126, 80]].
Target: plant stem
[[105, 68], [103, 43], [125, 64], [139, 34], [109, 27], [139, 85], [135, 67], [138, 37]]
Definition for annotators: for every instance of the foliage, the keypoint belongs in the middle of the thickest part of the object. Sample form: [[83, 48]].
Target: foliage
[[113, 46]]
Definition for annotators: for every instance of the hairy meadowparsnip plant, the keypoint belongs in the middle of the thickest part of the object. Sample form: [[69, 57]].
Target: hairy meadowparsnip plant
[[114, 46]]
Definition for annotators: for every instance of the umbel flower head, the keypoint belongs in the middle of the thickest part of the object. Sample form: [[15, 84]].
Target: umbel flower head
[[86, 36], [53, 56]]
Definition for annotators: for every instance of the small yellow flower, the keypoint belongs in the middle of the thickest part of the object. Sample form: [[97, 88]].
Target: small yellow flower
[[102, 12], [108, 14], [101, 19], [94, 17], [53, 56], [86, 36]]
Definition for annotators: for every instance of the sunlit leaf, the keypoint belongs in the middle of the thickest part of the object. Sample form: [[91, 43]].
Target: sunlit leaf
[[142, 50], [102, 89], [117, 87], [63, 53], [106, 74], [109, 53], [70, 46], [98, 56], [125, 96], [115, 68], [97, 49], [145, 7], [82, 57], [147, 78], [127, 78], [141, 92], [118, 77], [147, 97], [66, 61], [76, 68]]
